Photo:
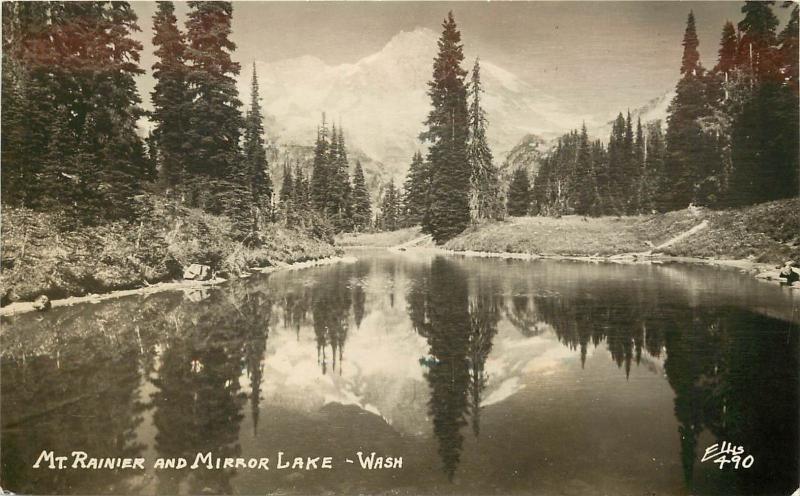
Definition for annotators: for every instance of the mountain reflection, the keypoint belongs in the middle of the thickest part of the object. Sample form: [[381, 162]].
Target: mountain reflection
[[178, 374]]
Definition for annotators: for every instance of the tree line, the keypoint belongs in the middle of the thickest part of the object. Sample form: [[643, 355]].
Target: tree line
[[70, 110], [329, 193], [731, 137]]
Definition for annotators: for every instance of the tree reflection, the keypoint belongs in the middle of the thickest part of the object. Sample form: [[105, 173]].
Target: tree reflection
[[74, 385], [199, 399], [459, 331], [734, 373], [330, 307], [359, 295], [484, 312]]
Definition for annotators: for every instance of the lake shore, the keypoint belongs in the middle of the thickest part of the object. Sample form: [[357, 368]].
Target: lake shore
[[762, 271], [21, 307], [756, 239], [40, 256]]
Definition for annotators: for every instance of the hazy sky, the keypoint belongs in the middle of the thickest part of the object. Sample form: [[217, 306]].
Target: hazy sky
[[599, 56]]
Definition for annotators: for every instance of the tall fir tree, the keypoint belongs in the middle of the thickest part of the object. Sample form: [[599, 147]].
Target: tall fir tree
[[690, 61], [757, 46], [17, 173], [728, 47], [218, 182], [301, 198], [448, 130], [600, 164], [97, 86], [639, 152], [390, 208], [688, 148], [28, 101], [416, 198], [255, 156], [339, 188], [764, 142], [362, 210], [519, 194], [485, 201], [320, 174], [585, 178], [630, 170], [652, 176], [614, 192], [170, 97]]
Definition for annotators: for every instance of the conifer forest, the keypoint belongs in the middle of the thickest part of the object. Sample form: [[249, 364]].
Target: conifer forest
[[400, 248]]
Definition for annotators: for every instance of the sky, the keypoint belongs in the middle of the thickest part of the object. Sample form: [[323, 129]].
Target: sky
[[601, 56]]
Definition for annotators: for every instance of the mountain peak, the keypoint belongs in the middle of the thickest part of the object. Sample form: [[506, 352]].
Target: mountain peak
[[419, 41], [382, 100]]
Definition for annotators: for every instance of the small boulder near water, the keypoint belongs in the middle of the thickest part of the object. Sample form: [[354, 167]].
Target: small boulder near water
[[197, 272], [789, 274], [42, 304]]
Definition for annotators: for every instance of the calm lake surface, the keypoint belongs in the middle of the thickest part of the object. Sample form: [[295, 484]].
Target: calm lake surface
[[485, 376]]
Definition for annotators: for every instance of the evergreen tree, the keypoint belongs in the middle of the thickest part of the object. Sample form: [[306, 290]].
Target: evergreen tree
[[448, 129], [519, 194], [170, 96], [390, 208], [765, 147], [320, 175], [631, 170], [301, 194], [484, 183], [614, 192], [218, 179], [586, 180], [638, 159], [600, 163], [59, 175], [728, 47], [28, 101], [688, 149], [652, 177], [757, 47], [788, 41], [339, 188], [690, 62], [255, 155], [764, 142], [97, 89], [416, 199], [17, 172], [287, 187], [362, 211]]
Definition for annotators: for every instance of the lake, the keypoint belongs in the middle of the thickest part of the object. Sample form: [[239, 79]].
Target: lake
[[484, 376]]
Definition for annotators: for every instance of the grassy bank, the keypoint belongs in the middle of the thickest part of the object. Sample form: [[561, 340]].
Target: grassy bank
[[38, 258], [768, 232], [379, 239]]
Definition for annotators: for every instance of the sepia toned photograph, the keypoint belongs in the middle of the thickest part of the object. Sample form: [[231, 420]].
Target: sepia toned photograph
[[546, 248]]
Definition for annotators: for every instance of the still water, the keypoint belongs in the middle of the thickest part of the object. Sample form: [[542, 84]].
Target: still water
[[484, 376]]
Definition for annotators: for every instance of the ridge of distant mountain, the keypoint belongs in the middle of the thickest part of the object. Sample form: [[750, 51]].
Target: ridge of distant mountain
[[382, 102]]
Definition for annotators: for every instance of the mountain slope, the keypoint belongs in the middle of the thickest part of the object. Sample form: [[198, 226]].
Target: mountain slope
[[381, 101]]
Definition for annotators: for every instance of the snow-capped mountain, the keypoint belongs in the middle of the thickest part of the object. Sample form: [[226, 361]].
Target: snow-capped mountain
[[381, 101]]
